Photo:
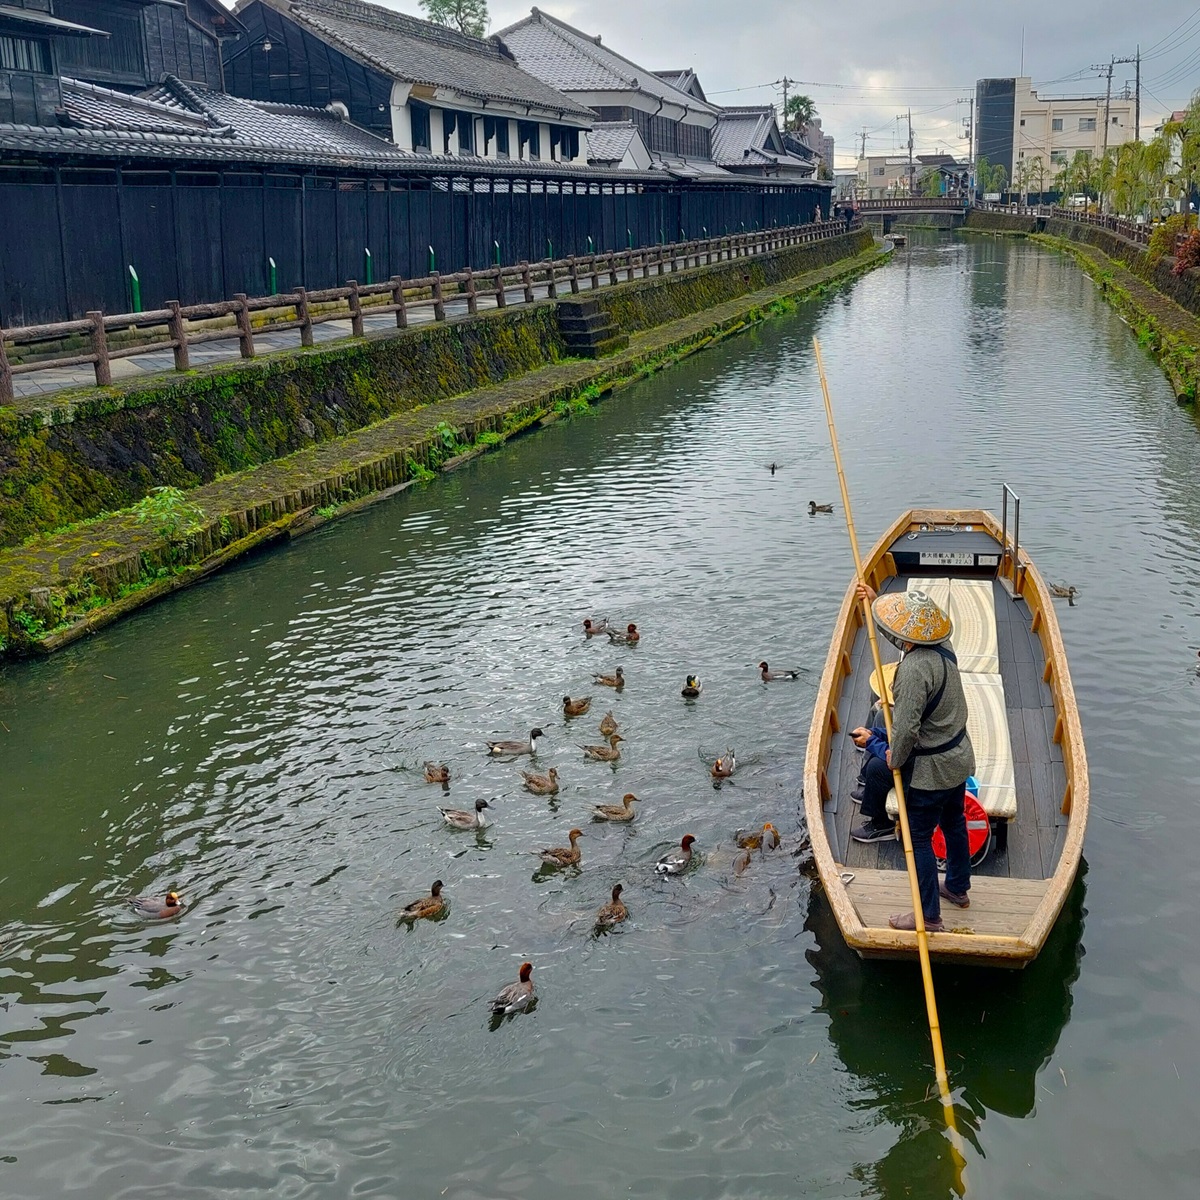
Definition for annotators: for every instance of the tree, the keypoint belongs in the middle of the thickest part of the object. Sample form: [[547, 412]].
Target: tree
[[989, 177], [467, 16], [1037, 175], [1023, 177], [1185, 180], [931, 185], [799, 113]]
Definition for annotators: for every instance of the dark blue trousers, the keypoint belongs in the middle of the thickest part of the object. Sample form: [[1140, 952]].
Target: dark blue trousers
[[926, 811], [877, 782]]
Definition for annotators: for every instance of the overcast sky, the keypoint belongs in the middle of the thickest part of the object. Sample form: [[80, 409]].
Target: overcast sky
[[864, 63]]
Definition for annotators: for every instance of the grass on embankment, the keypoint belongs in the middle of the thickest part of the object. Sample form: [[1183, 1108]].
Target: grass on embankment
[[59, 586]]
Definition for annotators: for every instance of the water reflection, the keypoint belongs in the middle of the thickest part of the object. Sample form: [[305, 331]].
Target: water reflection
[[999, 1030]]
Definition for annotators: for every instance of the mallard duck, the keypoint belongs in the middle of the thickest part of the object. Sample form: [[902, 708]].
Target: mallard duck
[[437, 773], [542, 785], [692, 688], [677, 861], [615, 680], [428, 906], [591, 628], [814, 508], [724, 765], [561, 856], [157, 908], [608, 724], [460, 818], [1065, 592], [529, 747], [616, 812], [768, 839], [769, 676], [614, 912], [608, 753], [516, 997], [630, 636], [576, 708]]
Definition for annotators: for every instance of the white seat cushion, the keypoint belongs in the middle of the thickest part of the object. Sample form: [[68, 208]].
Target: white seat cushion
[[972, 608]]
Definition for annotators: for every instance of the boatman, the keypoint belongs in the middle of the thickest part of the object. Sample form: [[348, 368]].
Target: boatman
[[930, 746]]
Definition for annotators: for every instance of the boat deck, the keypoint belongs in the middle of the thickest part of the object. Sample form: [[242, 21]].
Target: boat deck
[[1035, 837]]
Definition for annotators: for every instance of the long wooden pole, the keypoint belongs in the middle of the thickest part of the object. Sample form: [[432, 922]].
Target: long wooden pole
[[935, 1029]]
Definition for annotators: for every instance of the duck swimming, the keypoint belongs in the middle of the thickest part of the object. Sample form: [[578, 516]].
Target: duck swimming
[[542, 785], [608, 753], [614, 912], [769, 676], [630, 637], [529, 747], [814, 508], [1064, 592], [724, 766], [576, 708], [157, 908], [428, 906], [692, 688], [437, 773], [516, 997], [678, 861], [768, 839], [591, 628], [615, 812], [561, 856], [462, 819], [615, 680], [608, 724]]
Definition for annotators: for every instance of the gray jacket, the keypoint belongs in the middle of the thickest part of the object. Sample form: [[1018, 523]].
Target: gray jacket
[[917, 680]]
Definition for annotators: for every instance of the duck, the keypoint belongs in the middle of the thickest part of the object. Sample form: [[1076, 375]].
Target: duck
[[615, 680], [576, 708], [591, 628], [616, 812], [692, 687], [630, 637], [157, 908], [614, 912], [460, 818], [769, 676], [1065, 592], [814, 508], [428, 906], [542, 785], [772, 468], [529, 747], [515, 997], [608, 753], [724, 765], [561, 856], [679, 860], [437, 773], [768, 839], [608, 724], [742, 862]]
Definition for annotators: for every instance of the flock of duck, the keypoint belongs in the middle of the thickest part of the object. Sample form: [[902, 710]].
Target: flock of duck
[[519, 996]]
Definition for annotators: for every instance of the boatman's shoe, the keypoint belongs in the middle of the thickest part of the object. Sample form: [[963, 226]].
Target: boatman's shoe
[[958, 899], [909, 922], [871, 832]]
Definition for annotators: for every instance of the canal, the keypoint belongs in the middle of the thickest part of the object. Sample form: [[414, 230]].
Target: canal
[[258, 742]]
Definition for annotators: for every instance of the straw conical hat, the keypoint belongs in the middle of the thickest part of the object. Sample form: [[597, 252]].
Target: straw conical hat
[[911, 617], [889, 674]]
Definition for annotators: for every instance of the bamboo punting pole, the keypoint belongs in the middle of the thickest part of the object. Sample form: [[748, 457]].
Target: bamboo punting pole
[[931, 1011]]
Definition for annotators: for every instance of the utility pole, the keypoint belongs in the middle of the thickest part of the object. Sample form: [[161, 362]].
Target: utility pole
[[1108, 73], [863, 152], [1137, 96], [785, 83], [911, 175]]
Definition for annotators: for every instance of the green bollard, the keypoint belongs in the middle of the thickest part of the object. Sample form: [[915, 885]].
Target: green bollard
[[273, 275]]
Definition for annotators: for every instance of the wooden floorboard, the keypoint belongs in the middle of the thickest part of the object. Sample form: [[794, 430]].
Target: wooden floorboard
[[998, 906]]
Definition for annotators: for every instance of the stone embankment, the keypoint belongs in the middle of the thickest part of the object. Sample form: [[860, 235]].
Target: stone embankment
[[273, 447], [1162, 308]]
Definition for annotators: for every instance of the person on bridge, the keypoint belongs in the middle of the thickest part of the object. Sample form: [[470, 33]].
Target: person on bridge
[[930, 746]]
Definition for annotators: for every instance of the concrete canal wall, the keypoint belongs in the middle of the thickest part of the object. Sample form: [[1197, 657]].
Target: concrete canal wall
[[275, 446]]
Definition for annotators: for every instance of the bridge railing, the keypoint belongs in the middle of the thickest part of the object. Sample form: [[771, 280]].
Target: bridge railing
[[177, 327], [1122, 226], [923, 203]]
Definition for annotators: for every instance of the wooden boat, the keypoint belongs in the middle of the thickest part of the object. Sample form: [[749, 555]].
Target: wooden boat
[[1024, 726]]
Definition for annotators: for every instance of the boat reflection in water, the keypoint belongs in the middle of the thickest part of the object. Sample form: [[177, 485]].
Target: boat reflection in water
[[999, 1029]]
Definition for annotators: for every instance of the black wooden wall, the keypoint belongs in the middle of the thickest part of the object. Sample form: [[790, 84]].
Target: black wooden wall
[[70, 236]]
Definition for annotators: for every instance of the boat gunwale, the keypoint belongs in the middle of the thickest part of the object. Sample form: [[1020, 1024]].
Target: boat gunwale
[[871, 941]]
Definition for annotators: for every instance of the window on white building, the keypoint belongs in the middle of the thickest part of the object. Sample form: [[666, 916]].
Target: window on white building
[[878, 171], [1087, 124], [1056, 124]]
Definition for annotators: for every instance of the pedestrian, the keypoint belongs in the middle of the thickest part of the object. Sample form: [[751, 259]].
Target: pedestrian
[[930, 745]]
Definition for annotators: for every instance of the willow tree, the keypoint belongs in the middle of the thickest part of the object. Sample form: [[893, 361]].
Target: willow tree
[[1185, 179], [467, 16]]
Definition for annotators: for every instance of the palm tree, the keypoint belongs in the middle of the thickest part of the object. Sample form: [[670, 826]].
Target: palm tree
[[799, 113]]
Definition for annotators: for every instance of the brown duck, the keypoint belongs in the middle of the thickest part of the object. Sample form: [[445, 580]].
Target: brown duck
[[724, 765], [615, 680], [628, 637], [591, 628], [542, 785], [432, 905], [614, 912], [608, 724], [616, 812], [768, 839], [561, 856], [437, 773], [608, 753], [576, 708]]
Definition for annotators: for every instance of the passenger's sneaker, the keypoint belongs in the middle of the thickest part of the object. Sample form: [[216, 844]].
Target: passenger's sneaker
[[858, 792], [872, 832], [958, 899]]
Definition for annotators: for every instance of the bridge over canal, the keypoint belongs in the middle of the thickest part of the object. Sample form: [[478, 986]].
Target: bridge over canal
[[930, 212]]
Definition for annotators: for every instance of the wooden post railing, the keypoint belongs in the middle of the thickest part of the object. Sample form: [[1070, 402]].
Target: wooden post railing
[[100, 349], [6, 376], [178, 337]]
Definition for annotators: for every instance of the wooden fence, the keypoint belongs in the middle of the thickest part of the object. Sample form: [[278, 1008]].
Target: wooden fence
[[170, 328]]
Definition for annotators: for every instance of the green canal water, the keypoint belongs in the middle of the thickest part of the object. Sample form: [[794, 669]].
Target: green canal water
[[257, 743]]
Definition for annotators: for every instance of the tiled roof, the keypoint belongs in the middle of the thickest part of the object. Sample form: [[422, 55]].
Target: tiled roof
[[571, 60], [608, 141], [421, 52], [740, 130]]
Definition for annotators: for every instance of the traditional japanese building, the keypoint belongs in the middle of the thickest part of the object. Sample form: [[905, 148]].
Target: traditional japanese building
[[747, 141]]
